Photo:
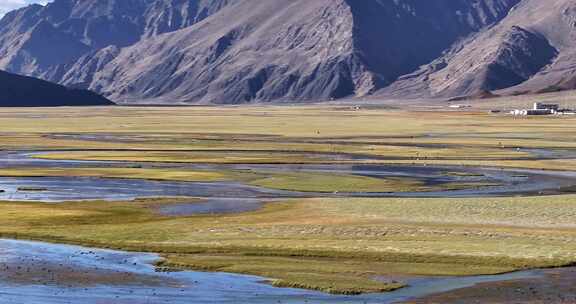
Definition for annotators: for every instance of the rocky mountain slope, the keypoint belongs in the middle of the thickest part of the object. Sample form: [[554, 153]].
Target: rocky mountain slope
[[533, 49], [22, 91], [239, 51]]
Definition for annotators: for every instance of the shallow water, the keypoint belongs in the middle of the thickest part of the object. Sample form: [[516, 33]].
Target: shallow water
[[77, 188], [235, 197], [511, 182], [81, 188], [148, 286], [92, 276], [211, 206]]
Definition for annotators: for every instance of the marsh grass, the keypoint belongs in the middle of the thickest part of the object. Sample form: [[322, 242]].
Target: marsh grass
[[288, 135], [318, 182], [120, 173], [332, 245]]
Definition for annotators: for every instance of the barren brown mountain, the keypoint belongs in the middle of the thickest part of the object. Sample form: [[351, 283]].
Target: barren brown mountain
[[239, 51]]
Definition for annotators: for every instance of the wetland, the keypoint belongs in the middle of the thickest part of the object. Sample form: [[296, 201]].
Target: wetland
[[285, 204]]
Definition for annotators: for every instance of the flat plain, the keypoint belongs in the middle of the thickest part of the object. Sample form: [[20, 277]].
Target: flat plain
[[321, 240]]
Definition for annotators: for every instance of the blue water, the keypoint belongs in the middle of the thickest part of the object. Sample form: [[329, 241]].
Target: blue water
[[222, 194], [177, 287]]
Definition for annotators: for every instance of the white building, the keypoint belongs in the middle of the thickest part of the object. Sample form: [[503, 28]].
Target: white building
[[546, 106], [538, 109]]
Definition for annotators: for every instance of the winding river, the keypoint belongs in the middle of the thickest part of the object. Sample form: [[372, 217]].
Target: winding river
[[500, 182], [51, 274]]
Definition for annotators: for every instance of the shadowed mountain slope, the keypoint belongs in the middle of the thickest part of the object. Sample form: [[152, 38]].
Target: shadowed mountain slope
[[21, 91]]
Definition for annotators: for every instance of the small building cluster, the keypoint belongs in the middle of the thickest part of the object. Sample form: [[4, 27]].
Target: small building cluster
[[541, 108]]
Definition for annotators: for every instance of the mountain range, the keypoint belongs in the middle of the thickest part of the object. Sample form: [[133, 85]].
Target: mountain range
[[244, 51]]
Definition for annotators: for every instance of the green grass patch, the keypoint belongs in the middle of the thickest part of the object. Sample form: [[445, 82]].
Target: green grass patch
[[320, 182], [122, 173], [332, 245]]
